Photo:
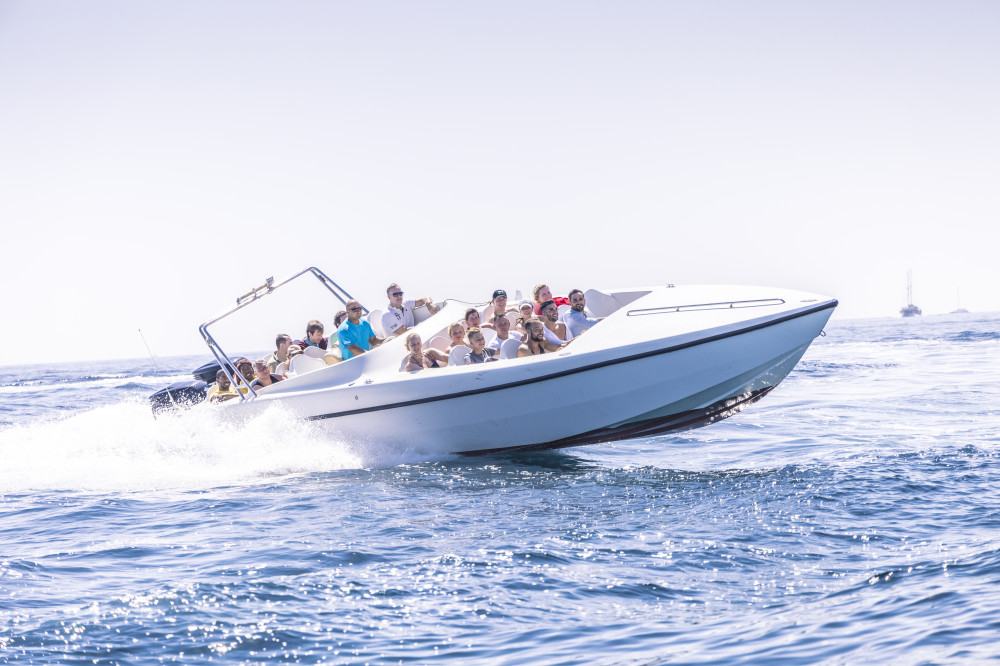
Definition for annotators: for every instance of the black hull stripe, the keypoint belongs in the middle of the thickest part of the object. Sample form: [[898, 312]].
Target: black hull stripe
[[689, 420], [573, 371]]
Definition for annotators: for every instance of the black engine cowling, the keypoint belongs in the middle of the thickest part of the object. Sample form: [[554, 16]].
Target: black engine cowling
[[179, 394]]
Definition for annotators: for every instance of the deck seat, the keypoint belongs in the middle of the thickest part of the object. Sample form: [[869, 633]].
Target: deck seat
[[457, 355], [601, 304], [421, 314], [438, 342], [302, 364], [509, 349], [375, 319]]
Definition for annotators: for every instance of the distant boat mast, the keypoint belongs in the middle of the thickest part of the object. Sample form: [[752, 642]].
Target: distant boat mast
[[910, 310], [958, 302]]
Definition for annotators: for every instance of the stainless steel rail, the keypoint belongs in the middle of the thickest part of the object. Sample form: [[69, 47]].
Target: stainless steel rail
[[252, 296]]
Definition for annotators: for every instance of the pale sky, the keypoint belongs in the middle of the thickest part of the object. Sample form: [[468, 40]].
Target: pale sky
[[157, 160]]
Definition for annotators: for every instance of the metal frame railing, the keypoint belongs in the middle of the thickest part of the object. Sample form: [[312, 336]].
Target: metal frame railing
[[252, 296]]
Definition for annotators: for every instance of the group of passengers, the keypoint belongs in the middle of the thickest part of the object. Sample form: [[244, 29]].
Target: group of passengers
[[538, 327], [536, 324], [256, 374]]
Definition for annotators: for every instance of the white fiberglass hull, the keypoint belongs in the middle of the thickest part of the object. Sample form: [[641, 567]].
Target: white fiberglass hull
[[668, 359]]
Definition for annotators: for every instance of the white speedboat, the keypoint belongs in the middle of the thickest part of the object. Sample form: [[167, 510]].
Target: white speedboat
[[663, 359]]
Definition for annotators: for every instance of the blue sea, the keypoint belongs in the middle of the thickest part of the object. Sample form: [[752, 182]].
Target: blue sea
[[853, 515]]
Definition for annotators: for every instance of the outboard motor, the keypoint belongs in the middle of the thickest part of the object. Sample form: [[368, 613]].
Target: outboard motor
[[179, 394], [207, 372]]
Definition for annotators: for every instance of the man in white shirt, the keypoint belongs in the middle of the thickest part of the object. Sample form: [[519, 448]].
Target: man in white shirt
[[502, 325], [398, 317]]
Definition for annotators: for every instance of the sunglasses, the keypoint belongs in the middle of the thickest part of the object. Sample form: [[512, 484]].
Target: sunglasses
[[397, 293]]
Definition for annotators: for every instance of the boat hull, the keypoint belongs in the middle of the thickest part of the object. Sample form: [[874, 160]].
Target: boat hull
[[593, 393]]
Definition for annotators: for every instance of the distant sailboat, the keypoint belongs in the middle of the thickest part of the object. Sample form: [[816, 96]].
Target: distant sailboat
[[958, 304], [910, 310]]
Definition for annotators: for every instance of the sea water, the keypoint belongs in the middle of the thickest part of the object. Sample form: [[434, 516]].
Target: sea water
[[853, 515]]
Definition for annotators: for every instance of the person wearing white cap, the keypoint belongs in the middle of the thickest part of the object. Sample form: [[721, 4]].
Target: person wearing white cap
[[524, 310]]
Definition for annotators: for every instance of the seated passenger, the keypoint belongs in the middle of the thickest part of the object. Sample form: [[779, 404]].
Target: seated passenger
[[542, 293], [279, 355], [244, 375], [283, 369], [456, 331], [314, 336], [535, 343], [479, 353], [398, 316], [576, 319], [222, 390], [355, 335], [471, 319], [418, 359], [524, 314], [263, 375], [333, 351], [555, 330], [499, 301], [502, 326]]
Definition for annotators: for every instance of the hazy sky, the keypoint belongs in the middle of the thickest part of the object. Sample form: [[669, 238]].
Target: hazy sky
[[159, 159]]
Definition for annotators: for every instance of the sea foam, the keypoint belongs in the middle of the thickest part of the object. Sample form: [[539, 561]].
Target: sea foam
[[123, 447]]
